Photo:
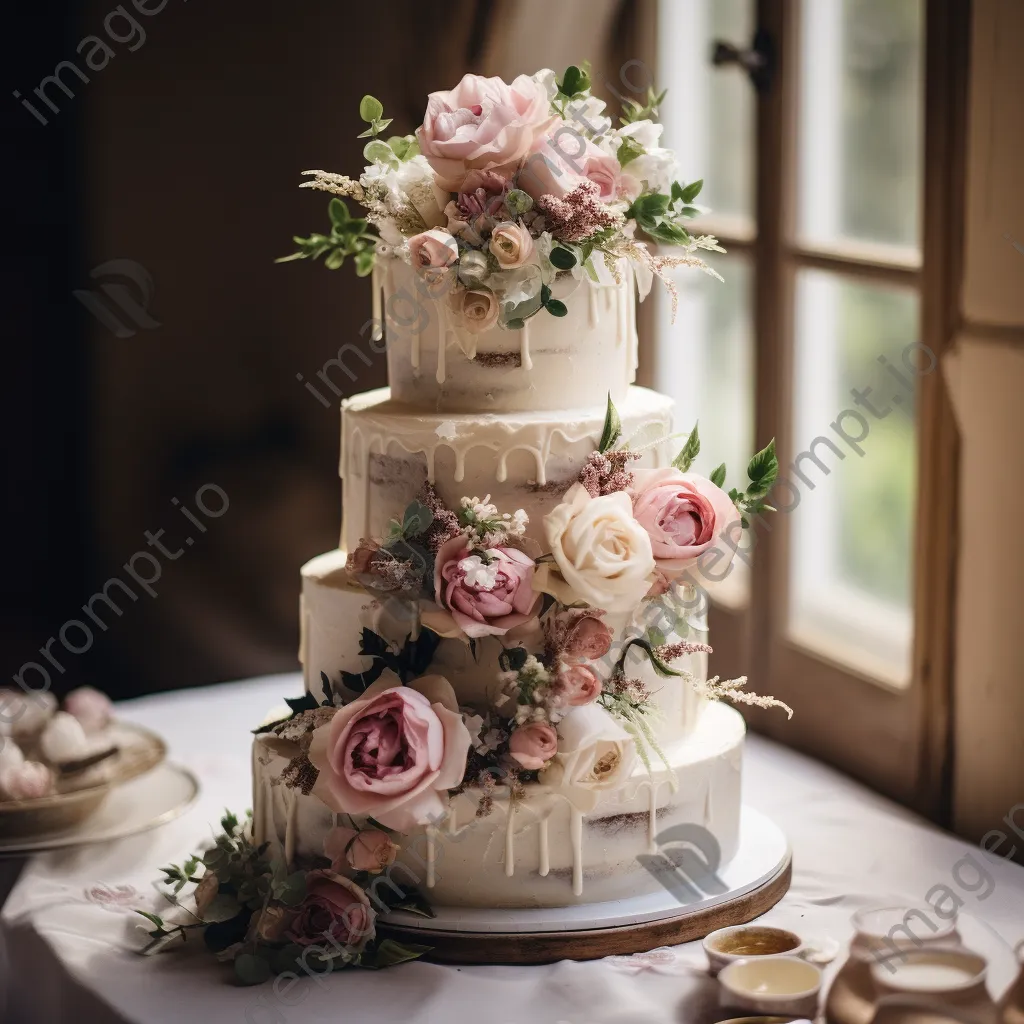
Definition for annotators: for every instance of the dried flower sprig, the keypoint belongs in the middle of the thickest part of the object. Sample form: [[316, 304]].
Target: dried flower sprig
[[731, 689]]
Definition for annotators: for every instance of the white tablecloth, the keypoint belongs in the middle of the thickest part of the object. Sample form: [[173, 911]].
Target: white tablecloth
[[70, 936]]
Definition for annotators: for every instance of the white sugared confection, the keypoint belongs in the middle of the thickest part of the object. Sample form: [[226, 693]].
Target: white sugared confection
[[514, 415], [64, 739]]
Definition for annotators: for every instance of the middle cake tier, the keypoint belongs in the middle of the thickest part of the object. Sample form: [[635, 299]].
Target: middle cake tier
[[524, 460]]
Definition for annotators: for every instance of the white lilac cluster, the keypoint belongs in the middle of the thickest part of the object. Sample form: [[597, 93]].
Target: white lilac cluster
[[509, 188], [485, 527]]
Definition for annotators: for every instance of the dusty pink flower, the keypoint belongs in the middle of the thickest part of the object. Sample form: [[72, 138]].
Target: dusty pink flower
[[335, 908], [208, 887], [482, 124], [367, 850], [92, 708], [585, 636], [434, 249], [487, 593], [392, 753], [271, 924], [359, 561], [578, 685], [683, 514], [579, 215], [533, 745]]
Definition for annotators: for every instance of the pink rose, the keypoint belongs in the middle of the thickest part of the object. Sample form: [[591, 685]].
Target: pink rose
[[482, 124], [434, 249], [92, 708], [367, 850], [335, 908], [487, 593], [683, 514], [533, 745], [584, 636], [578, 685], [393, 752], [564, 159]]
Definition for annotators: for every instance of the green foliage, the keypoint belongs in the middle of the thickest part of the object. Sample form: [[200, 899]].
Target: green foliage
[[518, 202], [575, 82], [349, 237], [371, 110], [762, 471], [684, 460], [409, 663], [563, 257], [612, 427], [660, 216], [634, 110], [629, 149], [645, 645]]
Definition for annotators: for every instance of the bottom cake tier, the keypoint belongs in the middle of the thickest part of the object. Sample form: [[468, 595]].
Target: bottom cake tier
[[537, 850]]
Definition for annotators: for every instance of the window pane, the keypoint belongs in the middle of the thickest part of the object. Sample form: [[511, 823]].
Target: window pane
[[852, 472], [861, 122], [705, 361], [709, 113]]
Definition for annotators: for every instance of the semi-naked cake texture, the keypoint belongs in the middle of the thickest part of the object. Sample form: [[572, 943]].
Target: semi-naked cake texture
[[489, 425]]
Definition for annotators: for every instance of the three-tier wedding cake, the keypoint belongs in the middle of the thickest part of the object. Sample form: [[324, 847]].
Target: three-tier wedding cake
[[505, 660]]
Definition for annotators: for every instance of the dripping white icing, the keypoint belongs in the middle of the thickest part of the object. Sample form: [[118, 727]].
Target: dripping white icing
[[576, 839], [652, 809], [377, 277], [594, 316], [442, 341], [524, 346], [510, 858], [545, 849]]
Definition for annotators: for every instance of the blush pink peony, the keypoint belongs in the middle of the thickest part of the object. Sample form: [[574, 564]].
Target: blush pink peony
[[393, 753], [533, 745], [684, 514], [486, 595], [584, 636], [483, 124]]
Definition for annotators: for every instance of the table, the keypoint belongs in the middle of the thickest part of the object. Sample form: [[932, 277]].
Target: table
[[70, 935]]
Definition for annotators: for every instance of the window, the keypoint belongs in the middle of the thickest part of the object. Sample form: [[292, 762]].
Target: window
[[825, 335]]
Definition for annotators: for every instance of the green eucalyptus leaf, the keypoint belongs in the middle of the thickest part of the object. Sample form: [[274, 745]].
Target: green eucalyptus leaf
[[572, 81], [516, 325], [377, 152], [370, 109], [629, 149], [556, 307], [364, 262], [388, 952], [562, 258], [718, 475], [612, 427], [518, 202], [337, 209], [684, 460]]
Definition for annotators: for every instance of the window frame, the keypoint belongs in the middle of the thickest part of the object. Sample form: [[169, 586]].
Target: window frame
[[896, 739]]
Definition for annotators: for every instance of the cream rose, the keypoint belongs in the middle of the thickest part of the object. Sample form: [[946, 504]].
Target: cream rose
[[603, 555], [511, 244], [475, 308], [595, 756]]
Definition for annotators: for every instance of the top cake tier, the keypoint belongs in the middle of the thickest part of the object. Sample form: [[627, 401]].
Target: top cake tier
[[551, 363]]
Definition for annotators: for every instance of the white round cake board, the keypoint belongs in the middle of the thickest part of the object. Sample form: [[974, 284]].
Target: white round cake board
[[763, 854]]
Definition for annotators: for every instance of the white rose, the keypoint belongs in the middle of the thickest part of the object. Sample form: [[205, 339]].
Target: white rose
[[548, 79], [657, 167], [603, 554], [595, 756], [646, 133]]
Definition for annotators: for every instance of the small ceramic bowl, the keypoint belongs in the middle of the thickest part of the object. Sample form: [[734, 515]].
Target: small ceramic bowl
[[772, 984], [746, 942]]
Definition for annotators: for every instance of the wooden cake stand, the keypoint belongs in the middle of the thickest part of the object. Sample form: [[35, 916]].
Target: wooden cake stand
[[748, 886]]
